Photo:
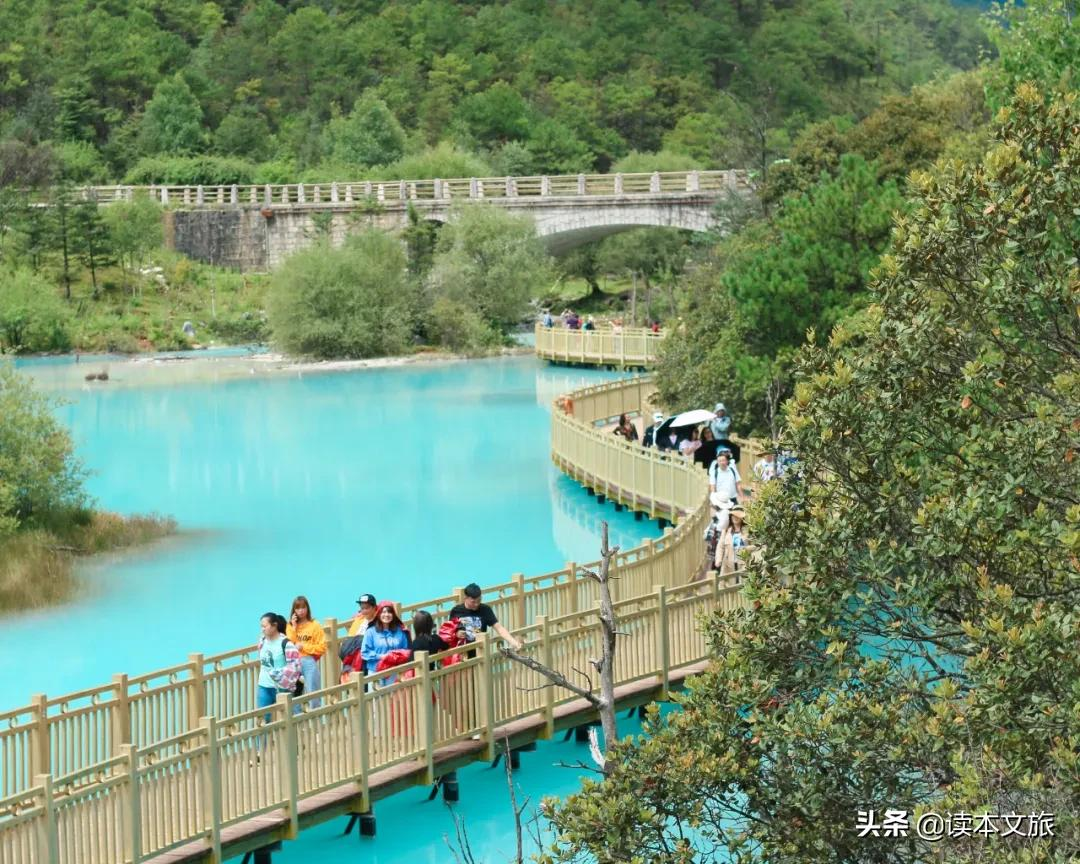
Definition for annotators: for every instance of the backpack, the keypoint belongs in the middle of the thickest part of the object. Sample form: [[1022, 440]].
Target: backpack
[[290, 679]]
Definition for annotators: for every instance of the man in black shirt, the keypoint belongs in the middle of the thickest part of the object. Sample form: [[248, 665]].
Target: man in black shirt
[[477, 617]]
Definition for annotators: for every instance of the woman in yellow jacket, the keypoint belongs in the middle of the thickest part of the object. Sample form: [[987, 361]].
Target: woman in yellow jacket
[[309, 637]]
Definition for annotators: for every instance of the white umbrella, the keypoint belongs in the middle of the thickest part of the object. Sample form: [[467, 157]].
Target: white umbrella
[[692, 418]]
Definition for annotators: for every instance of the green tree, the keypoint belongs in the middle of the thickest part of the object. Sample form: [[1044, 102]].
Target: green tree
[[369, 135], [172, 122], [1037, 41], [39, 473], [807, 269], [134, 229], [911, 638], [343, 303], [32, 317], [246, 133], [491, 262], [92, 242]]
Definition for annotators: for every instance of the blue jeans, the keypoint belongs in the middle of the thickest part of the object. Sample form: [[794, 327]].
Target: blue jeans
[[264, 698], [309, 668]]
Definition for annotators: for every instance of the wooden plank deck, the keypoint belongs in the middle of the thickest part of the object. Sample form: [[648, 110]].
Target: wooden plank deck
[[264, 830]]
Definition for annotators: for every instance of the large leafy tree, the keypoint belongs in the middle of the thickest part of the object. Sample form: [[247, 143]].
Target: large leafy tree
[[173, 120], [912, 637], [354, 301], [753, 303], [490, 262]]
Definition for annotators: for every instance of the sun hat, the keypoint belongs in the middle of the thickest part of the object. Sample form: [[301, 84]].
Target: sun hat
[[719, 407]]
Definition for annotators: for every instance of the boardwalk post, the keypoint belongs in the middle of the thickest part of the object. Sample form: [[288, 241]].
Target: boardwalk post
[[134, 808], [426, 718], [360, 728], [332, 672], [197, 696], [663, 650], [487, 694], [40, 756], [668, 543], [290, 766], [212, 788], [50, 842], [519, 601], [546, 656], [575, 594], [121, 712]]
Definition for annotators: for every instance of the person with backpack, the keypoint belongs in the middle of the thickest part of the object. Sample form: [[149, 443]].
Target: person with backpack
[[309, 637], [279, 662]]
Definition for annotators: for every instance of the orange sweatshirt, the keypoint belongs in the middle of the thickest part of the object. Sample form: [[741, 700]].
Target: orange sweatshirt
[[309, 638]]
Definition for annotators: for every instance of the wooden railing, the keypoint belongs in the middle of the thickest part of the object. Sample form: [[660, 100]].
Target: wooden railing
[[391, 192], [605, 346], [123, 772]]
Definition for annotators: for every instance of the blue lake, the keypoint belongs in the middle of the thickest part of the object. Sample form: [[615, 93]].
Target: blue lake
[[404, 482]]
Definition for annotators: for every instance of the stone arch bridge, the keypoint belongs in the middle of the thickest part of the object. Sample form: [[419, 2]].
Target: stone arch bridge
[[255, 228]]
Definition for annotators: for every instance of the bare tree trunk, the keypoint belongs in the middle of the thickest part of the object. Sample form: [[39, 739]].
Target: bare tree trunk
[[633, 297], [604, 664]]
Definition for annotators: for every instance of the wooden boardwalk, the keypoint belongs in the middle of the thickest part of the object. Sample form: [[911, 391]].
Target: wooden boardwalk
[[627, 348], [180, 765]]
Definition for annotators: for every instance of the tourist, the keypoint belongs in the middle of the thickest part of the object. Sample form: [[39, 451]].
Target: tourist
[[669, 440], [688, 446], [589, 324], [655, 327], [765, 467], [424, 636], [724, 478], [477, 617], [706, 453], [549, 322], [364, 616], [649, 438], [721, 426], [625, 429], [616, 325], [279, 662], [385, 634], [309, 637]]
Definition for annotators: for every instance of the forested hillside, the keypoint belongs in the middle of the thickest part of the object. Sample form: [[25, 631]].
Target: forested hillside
[[269, 90]]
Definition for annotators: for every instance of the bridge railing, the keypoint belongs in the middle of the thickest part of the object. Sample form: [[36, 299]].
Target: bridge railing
[[193, 786], [202, 712], [398, 192], [629, 346]]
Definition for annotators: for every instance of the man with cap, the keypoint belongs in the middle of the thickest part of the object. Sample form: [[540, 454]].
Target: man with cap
[[476, 617], [368, 608], [650, 434]]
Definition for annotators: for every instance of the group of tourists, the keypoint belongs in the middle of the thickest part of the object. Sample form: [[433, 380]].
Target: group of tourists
[[377, 641], [571, 320]]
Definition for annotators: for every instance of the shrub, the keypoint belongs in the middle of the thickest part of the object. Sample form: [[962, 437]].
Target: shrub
[[459, 328], [350, 302], [191, 171], [444, 161], [491, 262], [246, 328], [645, 163], [39, 474], [32, 316]]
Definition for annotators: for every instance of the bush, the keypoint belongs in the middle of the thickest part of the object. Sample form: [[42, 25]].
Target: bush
[[350, 302], [39, 474], [246, 328], [491, 262], [81, 163], [459, 328], [32, 316], [645, 163], [444, 161], [191, 171]]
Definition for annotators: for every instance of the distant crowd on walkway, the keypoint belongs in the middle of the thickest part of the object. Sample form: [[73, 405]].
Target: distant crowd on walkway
[[708, 442], [378, 640], [570, 320]]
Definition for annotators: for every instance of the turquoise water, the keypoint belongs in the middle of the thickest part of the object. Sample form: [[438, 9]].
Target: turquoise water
[[404, 482]]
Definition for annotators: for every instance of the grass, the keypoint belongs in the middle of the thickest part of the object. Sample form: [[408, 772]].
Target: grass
[[37, 565], [146, 312]]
